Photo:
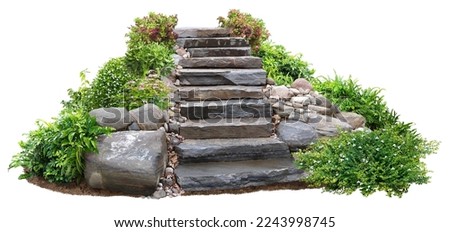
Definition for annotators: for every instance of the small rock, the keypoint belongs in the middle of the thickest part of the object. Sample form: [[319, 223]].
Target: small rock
[[181, 51], [282, 92], [117, 118], [284, 111], [274, 99], [295, 91], [322, 101], [159, 194], [302, 83], [134, 127], [270, 81], [177, 82], [354, 119], [169, 170], [276, 105], [301, 100]]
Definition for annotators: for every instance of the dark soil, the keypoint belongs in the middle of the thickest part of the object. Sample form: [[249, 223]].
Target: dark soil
[[83, 189]]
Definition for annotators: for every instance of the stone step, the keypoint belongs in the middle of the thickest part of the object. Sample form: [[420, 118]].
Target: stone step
[[215, 52], [226, 150], [197, 177], [242, 108], [212, 42], [226, 128], [201, 93], [202, 32], [222, 77], [222, 62]]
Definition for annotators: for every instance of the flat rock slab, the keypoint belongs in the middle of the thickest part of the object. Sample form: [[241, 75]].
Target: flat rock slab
[[128, 161], [214, 52], [243, 108], [227, 128], [236, 175], [216, 150], [296, 134], [202, 32], [327, 126], [222, 62], [210, 93], [212, 42], [222, 77]]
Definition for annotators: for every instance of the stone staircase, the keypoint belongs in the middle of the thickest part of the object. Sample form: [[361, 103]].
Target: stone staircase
[[228, 143]]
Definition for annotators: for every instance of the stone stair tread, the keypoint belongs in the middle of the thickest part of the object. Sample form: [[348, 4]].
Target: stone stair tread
[[226, 128], [202, 32], [212, 42], [224, 92], [216, 150], [235, 175], [254, 77], [250, 62], [219, 51], [234, 108]]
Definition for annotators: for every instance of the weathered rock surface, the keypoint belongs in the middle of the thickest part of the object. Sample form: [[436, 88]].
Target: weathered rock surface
[[328, 126], [215, 52], [117, 118], [321, 110], [226, 128], [236, 175], [129, 161], [355, 120], [202, 32], [302, 83], [296, 134], [214, 150], [222, 77], [281, 91], [148, 117], [243, 108], [198, 93], [212, 42], [222, 62]]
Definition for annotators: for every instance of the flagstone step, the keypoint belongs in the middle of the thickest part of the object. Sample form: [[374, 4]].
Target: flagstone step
[[222, 62], [212, 42], [242, 108], [195, 177], [201, 93], [227, 128], [226, 150], [222, 77], [202, 32], [219, 52]]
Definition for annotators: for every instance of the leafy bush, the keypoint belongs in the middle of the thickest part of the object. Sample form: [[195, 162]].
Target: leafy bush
[[281, 65], [79, 99], [55, 149], [384, 160], [348, 95], [153, 28], [143, 91], [244, 25], [153, 56]]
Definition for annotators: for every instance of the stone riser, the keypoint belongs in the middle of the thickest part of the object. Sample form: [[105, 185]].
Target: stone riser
[[226, 128], [201, 77], [212, 42], [222, 62], [246, 108], [202, 32], [226, 150], [211, 93], [219, 52], [236, 175]]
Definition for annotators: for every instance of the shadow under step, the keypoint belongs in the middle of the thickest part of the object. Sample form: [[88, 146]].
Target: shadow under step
[[226, 150], [236, 175], [227, 128]]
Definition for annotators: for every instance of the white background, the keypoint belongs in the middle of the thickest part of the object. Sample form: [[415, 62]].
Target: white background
[[402, 47]]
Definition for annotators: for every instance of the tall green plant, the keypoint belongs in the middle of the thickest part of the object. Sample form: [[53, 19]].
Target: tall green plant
[[153, 56], [55, 149]]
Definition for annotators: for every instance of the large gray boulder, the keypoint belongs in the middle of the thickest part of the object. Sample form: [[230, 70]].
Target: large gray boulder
[[148, 117], [117, 118], [128, 161], [296, 134], [328, 126]]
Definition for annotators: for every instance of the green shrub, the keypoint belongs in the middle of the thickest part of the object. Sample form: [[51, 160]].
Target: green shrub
[[281, 65], [143, 91], [348, 95], [153, 28], [55, 149], [79, 99], [244, 25], [384, 160], [153, 56]]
